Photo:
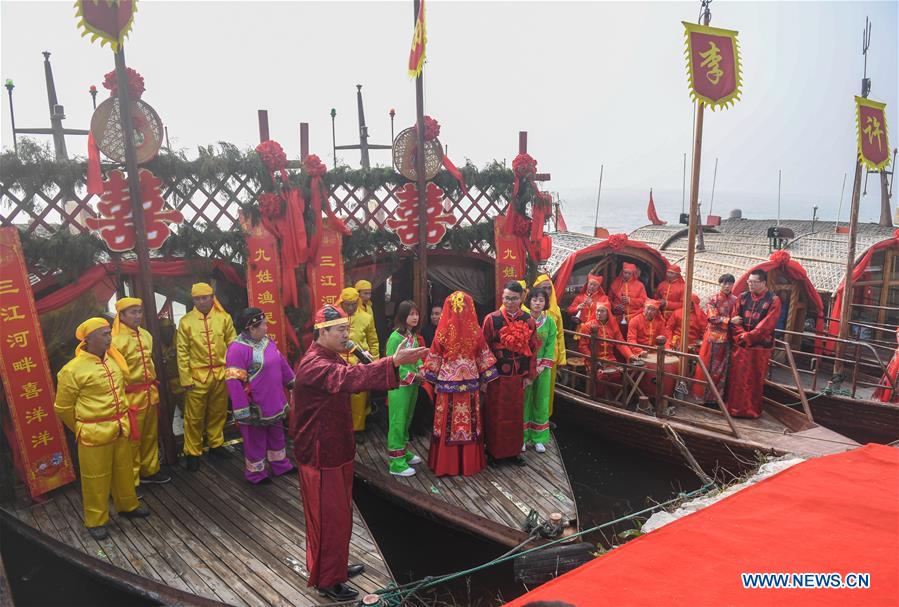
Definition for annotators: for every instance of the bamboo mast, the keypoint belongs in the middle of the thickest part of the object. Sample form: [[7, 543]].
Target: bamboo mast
[[694, 215], [845, 308]]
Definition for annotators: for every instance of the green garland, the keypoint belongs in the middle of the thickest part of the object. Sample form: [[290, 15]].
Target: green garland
[[72, 254]]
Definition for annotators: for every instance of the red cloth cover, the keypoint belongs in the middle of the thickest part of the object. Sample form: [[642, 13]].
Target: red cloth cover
[[831, 514]]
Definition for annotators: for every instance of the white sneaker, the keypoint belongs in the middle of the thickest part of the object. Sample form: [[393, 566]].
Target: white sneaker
[[406, 472], [414, 461], [524, 447], [539, 448]]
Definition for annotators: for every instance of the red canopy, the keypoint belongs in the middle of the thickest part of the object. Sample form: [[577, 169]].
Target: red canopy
[[834, 514], [616, 244]]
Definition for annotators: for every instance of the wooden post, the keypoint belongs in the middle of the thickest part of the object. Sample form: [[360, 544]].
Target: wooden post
[[304, 140], [886, 211], [422, 270], [144, 279], [660, 376], [263, 125]]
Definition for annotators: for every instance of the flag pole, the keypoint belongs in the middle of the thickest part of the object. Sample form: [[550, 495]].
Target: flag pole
[[694, 213], [422, 270], [598, 197]]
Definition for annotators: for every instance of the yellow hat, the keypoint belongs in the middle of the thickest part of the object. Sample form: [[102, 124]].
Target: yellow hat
[[120, 305], [89, 326], [349, 295], [201, 289], [363, 285]]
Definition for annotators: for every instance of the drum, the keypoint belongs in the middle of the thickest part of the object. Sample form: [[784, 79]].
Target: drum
[[648, 383], [579, 366]]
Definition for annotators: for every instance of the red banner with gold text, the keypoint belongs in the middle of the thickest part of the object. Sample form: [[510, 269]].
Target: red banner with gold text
[[873, 143], [713, 65], [39, 437], [264, 281], [510, 256], [325, 272]]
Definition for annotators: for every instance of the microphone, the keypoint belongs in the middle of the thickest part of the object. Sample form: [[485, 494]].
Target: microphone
[[354, 349]]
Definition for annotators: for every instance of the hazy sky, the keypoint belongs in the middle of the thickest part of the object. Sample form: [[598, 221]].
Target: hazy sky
[[592, 82]]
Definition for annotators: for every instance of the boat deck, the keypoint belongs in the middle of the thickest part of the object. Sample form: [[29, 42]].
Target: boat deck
[[493, 503], [767, 430], [211, 534]]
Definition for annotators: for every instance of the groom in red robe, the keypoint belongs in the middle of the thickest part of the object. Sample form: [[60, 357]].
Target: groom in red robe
[[758, 311], [321, 426], [512, 337]]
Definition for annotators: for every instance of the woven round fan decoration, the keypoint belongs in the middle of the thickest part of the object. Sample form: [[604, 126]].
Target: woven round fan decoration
[[404, 149], [107, 130]]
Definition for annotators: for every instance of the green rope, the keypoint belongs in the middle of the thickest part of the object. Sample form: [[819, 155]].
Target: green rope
[[392, 594]]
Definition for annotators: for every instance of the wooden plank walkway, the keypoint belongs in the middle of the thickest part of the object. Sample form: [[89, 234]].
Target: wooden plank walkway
[[212, 534], [500, 496]]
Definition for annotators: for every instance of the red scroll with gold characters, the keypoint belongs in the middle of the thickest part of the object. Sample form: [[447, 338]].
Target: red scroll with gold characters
[[325, 272], [871, 122], [713, 65], [264, 281], [510, 256], [40, 444]]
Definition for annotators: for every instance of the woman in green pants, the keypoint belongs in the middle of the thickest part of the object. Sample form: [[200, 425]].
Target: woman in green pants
[[401, 401], [536, 395]]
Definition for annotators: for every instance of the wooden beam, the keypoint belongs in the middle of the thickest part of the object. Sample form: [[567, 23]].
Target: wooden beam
[[263, 125]]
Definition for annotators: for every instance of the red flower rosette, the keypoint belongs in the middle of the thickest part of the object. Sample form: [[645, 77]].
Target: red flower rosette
[[524, 165], [270, 205], [516, 337], [272, 155], [617, 241], [135, 84], [781, 258], [432, 129]]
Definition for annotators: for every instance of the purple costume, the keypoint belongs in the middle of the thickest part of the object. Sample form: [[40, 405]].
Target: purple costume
[[256, 376]]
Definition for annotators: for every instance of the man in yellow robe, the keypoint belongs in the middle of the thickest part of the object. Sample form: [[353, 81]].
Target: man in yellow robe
[[90, 401], [141, 388], [364, 288], [555, 312], [202, 341], [362, 332]]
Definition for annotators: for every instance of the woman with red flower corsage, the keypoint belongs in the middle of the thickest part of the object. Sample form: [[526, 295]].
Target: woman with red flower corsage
[[511, 335]]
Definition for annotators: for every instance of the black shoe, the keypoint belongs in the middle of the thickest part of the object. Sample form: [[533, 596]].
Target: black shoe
[[519, 461], [220, 452], [193, 463], [360, 438], [155, 479], [339, 592], [354, 570], [98, 533], [139, 512]]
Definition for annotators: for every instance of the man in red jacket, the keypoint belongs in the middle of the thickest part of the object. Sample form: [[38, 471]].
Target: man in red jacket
[[321, 426]]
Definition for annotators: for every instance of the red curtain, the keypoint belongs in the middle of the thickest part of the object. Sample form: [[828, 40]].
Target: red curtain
[[616, 243]]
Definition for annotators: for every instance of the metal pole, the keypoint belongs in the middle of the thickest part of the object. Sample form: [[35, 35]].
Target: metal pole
[[422, 184], [714, 181], [333, 137], [93, 92], [840, 208], [779, 174], [144, 276], [683, 189], [12, 117], [598, 196], [392, 113]]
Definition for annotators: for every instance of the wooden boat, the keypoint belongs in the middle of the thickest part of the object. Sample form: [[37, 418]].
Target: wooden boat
[[212, 539], [677, 429], [493, 504]]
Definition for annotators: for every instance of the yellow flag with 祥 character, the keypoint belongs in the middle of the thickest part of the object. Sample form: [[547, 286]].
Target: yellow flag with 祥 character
[[873, 145], [419, 40]]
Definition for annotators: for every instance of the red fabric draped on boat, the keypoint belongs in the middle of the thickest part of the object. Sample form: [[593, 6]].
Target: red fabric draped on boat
[[829, 514]]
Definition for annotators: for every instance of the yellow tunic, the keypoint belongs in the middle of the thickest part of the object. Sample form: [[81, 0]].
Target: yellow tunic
[[202, 342], [137, 348], [90, 401], [362, 331], [141, 392]]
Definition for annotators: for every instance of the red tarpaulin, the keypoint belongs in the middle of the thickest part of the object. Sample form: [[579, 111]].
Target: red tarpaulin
[[615, 244], [834, 514]]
